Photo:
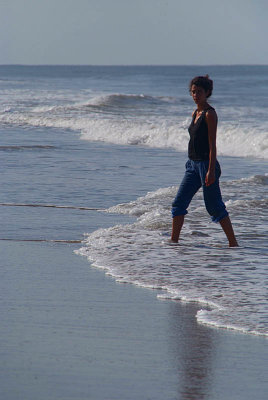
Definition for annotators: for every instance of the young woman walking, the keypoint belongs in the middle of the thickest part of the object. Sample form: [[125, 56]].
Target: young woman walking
[[202, 168]]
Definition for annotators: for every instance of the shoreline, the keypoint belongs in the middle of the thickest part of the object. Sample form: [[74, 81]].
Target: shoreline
[[69, 330], [165, 295]]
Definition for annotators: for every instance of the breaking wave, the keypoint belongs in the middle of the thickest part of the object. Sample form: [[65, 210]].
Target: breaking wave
[[130, 119]]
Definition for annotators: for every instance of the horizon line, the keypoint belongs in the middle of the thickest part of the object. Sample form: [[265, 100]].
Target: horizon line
[[130, 65]]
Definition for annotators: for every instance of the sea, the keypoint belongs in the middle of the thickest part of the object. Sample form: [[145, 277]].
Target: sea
[[94, 155]]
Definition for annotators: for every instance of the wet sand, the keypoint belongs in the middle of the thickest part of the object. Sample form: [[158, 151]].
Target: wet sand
[[68, 331]]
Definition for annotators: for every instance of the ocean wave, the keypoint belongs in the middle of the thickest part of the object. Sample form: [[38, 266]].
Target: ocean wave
[[26, 147], [110, 102], [247, 204], [144, 204], [243, 197], [256, 179], [137, 120], [158, 134], [242, 141], [128, 100], [261, 180]]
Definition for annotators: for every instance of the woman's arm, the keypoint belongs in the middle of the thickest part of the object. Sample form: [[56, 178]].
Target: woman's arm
[[211, 119]]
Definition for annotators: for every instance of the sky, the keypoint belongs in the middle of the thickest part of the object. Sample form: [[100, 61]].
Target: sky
[[139, 32]]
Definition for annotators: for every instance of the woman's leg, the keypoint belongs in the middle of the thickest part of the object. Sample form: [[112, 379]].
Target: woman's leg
[[189, 186], [177, 223], [216, 208], [229, 232]]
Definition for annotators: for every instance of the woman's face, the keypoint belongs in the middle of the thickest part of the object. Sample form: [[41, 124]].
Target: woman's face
[[199, 94]]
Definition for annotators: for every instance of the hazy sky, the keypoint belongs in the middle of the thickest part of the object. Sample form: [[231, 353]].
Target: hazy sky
[[133, 32]]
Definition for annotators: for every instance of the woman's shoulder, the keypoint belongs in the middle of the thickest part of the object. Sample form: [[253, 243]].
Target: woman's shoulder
[[211, 116], [211, 113]]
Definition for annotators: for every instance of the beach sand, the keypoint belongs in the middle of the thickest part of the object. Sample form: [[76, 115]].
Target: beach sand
[[68, 331]]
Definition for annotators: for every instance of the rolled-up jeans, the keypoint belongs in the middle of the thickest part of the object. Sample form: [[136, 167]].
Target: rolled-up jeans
[[194, 178]]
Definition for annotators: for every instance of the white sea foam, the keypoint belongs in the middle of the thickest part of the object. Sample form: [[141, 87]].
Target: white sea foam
[[135, 119], [158, 134], [227, 283]]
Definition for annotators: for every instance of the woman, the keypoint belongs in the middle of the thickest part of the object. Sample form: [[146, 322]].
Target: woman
[[202, 168]]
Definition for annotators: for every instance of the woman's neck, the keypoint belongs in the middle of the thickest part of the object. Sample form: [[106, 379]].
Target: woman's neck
[[202, 106]]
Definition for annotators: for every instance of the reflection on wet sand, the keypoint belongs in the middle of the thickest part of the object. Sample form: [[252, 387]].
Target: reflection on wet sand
[[192, 347]]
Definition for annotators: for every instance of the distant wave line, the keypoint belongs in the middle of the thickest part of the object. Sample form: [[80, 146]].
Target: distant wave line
[[51, 206], [41, 240], [27, 147]]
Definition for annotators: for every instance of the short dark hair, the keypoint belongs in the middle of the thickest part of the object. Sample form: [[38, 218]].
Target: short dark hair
[[204, 82]]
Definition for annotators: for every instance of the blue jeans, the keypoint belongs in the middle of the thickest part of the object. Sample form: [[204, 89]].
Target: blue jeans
[[193, 179]]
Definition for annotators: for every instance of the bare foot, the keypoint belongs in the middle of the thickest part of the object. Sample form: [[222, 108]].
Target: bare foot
[[235, 244]]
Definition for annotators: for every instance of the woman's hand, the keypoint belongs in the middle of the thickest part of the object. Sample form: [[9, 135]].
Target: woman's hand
[[210, 178]]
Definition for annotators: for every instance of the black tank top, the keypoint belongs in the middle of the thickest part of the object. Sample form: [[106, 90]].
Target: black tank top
[[198, 148]]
